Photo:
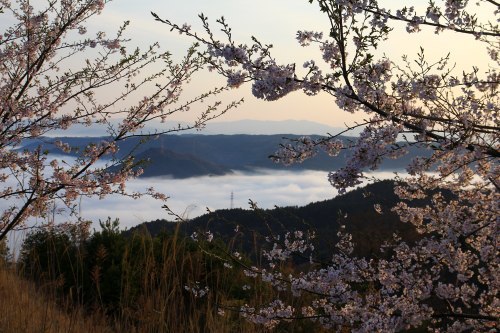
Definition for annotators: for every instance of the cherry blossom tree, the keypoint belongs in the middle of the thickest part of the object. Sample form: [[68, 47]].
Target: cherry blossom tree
[[449, 279], [54, 74]]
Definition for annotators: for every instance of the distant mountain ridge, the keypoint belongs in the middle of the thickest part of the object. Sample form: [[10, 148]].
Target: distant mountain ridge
[[245, 126], [217, 154], [266, 127]]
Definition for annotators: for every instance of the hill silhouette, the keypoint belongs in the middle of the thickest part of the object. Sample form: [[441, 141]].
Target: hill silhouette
[[355, 210], [161, 162]]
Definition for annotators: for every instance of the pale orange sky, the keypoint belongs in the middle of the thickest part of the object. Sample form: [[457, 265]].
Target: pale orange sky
[[276, 22]]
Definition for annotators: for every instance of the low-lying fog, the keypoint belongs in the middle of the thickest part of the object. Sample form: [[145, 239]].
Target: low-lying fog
[[192, 196]]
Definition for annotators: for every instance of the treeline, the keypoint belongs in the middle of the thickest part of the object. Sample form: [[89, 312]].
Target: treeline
[[365, 212], [143, 283], [159, 277]]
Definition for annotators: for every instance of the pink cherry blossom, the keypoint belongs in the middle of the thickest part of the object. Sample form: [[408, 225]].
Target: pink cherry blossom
[[447, 280], [42, 91]]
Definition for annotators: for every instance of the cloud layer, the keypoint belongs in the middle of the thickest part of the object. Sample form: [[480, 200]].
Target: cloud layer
[[191, 197]]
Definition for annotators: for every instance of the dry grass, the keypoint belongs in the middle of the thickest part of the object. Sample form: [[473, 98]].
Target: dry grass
[[152, 297], [162, 307], [26, 310]]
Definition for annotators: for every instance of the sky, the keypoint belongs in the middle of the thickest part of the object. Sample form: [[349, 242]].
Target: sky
[[272, 22], [275, 22]]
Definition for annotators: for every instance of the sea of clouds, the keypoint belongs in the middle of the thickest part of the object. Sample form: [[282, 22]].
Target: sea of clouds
[[192, 197]]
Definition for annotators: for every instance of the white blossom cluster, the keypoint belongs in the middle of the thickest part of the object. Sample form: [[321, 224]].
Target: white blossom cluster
[[447, 280], [206, 236], [269, 316], [196, 290], [293, 242], [43, 90], [298, 150], [374, 144]]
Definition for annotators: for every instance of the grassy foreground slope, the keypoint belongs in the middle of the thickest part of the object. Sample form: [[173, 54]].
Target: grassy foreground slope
[[27, 310]]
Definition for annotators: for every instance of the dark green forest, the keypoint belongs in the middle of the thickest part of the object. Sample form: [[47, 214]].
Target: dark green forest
[[115, 271]]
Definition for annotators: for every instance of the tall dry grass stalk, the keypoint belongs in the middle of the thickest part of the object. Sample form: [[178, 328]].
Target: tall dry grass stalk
[[26, 310], [164, 305], [147, 294], [153, 298]]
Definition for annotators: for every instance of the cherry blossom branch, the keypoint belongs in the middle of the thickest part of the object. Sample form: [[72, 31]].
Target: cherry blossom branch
[[454, 262], [420, 21], [36, 99], [466, 316], [493, 2]]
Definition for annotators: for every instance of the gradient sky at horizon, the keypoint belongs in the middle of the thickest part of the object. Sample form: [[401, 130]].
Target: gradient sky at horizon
[[275, 22], [272, 22]]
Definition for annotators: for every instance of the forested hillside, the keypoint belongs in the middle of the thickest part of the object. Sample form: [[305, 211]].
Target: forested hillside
[[365, 213]]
